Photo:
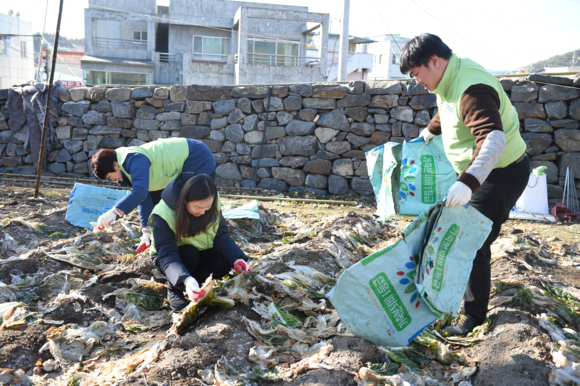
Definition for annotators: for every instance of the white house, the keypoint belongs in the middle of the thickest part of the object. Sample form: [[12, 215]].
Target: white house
[[16, 50], [386, 53]]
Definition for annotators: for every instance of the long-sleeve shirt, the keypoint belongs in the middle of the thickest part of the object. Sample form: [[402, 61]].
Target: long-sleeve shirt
[[168, 254], [200, 160], [479, 108]]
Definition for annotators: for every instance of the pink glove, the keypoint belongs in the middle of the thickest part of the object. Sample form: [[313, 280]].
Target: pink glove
[[145, 242], [192, 289], [241, 266]]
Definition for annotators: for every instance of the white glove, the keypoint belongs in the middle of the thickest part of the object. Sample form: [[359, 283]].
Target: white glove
[[459, 194], [105, 219], [145, 242], [192, 289], [426, 135]]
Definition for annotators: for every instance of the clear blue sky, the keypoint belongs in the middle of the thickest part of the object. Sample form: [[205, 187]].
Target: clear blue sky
[[500, 35]]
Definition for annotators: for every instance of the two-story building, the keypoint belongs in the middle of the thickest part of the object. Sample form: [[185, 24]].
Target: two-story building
[[387, 53], [211, 42], [16, 50]]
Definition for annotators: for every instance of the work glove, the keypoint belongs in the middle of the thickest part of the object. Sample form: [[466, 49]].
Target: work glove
[[105, 219], [426, 135], [145, 242], [192, 289], [459, 194], [241, 266]]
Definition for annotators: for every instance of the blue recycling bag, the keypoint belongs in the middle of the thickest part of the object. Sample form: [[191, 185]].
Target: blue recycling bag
[[249, 210], [388, 298], [384, 172], [426, 175], [88, 202]]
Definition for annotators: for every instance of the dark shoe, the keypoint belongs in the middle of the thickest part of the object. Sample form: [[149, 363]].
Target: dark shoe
[[461, 326]]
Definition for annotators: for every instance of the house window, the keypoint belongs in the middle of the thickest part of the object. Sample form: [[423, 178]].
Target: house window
[[128, 79], [23, 48], [3, 45], [107, 34], [140, 37], [396, 59], [273, 52], [122, 78], [210, 48]]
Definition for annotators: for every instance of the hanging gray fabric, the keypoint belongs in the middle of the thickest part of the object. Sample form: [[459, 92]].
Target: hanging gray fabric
[[26, 106]]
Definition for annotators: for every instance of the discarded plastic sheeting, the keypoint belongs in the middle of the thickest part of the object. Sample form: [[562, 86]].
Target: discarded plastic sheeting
[[250, 210], [426, 175], [88, 202]]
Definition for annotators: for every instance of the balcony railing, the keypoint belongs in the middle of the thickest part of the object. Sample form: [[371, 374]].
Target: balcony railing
[[167, 57], [120, 43], [209, 57], [282, 60]]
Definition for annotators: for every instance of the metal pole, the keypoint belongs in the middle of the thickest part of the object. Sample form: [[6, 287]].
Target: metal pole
[[343, 53], [48, 99]]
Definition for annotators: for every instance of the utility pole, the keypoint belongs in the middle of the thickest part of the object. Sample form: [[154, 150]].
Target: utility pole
[[48, 99], [343, 53]]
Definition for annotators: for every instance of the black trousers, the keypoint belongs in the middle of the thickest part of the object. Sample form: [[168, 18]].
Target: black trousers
[[200, 265], [494, 199]]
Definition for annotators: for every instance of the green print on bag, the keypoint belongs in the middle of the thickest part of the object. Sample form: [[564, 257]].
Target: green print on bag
[[428, 180], [442, 252], [390, 300]]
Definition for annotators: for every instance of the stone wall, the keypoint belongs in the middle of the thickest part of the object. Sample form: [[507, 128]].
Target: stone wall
[[316, 135]]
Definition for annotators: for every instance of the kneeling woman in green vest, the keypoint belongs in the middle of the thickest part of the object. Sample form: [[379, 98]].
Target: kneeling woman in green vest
[[147, 169], [190, 237]]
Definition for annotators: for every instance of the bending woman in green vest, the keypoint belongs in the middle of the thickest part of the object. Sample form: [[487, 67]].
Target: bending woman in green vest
[[191, 239], [148, 169]]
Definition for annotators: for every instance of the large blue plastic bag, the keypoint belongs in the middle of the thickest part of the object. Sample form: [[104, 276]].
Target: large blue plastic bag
[[426, 175], [377, 297], [383, 168], [455, 236], [88, 202]]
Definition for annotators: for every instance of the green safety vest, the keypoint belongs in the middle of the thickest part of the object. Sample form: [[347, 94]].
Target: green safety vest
[[166, 156], [458, 141], [201, 241]]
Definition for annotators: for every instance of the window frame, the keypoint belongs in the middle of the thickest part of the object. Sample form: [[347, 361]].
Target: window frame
[[396, 58], [277, 60], [206, 57], [23, 49], [3, 50], [140, 40], [108, 75]]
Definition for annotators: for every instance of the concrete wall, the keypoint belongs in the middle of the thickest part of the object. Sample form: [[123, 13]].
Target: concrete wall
[[208, 73], [13, 68], [139, 6], [326, 156]]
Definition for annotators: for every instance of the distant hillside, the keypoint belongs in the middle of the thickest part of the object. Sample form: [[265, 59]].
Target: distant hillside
[[564, 60], [63, 43]]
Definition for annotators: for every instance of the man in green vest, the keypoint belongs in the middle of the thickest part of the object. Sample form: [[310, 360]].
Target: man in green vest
[[481, 136]]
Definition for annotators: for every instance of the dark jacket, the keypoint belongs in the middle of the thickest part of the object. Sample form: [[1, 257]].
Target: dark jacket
[[168, 258]]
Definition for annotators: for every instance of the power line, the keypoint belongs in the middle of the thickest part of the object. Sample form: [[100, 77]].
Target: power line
[[381, 15], [445, 25]]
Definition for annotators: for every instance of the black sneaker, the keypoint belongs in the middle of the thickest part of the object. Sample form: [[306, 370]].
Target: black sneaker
[[461, 326]]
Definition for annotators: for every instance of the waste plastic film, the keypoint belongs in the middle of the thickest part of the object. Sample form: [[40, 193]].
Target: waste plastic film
[[426, 175], [389, 298], [88, 202]]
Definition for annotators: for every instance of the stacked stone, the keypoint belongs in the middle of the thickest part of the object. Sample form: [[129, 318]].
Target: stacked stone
[[549, 112], [315, 136]]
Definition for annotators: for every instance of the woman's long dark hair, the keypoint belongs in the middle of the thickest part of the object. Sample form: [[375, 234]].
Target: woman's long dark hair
[[197, 188]]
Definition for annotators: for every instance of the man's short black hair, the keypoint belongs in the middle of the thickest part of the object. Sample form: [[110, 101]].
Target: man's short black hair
[[419, 50]]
